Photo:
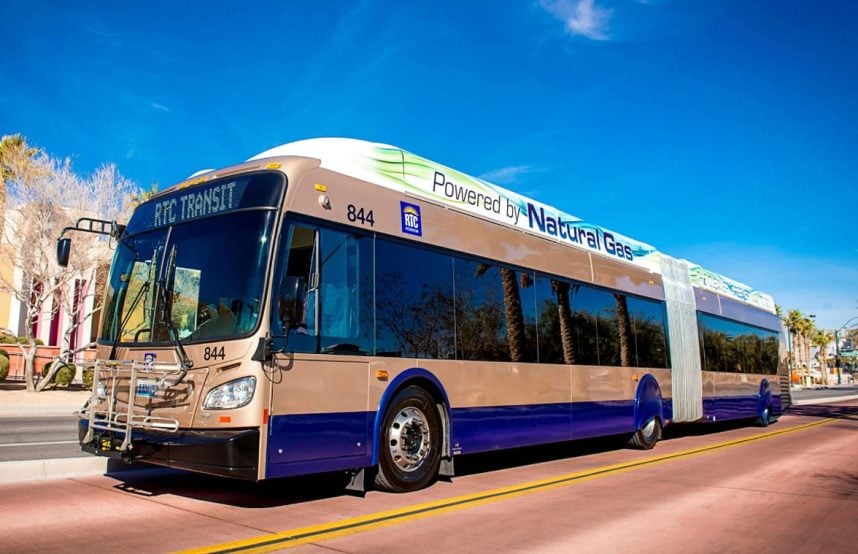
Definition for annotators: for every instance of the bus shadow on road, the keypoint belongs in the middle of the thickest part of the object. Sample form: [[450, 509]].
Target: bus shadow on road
[[516, 457], [834, 411], [506, 459], [157, 481]]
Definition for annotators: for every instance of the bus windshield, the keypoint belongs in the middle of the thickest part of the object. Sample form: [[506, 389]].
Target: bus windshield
[[206, 274]]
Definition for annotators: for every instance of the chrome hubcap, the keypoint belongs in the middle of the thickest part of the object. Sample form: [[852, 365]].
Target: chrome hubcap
[[649, 428], [408, 439]]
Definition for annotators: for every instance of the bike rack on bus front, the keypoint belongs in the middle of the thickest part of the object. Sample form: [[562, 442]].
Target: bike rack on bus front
[[113, 418]]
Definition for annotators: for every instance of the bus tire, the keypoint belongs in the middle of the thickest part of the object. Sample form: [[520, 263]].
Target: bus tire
[[410, 447], [648, 434], [765, 417]]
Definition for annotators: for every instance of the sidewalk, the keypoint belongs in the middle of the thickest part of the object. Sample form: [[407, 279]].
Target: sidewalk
[[15, 401]]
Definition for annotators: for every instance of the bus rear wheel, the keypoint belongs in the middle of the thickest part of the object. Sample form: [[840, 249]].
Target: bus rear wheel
[[410, 449], [646, 437], [764, 418]]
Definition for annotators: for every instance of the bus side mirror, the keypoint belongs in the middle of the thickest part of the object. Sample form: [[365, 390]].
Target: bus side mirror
[[291, 301], [63, 250]]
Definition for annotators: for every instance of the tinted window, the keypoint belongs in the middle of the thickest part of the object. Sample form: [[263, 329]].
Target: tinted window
[[648, 321], [332, 272], [580, 324], [494, 313], [730, 346], [414, 302], [567, 329], [602, 306]]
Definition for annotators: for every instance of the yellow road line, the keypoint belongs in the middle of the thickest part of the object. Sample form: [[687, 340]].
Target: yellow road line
[[326, 531]]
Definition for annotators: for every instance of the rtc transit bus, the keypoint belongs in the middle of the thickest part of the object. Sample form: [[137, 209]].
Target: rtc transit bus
[[340, 305]]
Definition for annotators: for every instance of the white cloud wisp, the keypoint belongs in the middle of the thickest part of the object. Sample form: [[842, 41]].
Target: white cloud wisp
[[581, 17]]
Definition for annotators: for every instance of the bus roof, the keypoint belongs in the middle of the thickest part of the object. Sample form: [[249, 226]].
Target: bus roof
[[394, 168]]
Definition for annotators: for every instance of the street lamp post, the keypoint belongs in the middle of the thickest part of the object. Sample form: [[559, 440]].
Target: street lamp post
[[837, 346], [812, 318]]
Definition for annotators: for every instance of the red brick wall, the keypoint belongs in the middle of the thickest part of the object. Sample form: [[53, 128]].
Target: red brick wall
[[44, 354]]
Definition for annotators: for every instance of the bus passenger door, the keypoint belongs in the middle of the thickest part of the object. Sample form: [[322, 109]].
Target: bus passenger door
[[322, 312]]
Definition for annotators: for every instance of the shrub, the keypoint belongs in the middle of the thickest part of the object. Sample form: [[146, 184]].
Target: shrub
[[46, 368], [40, 342], [4, 368], [88, 375], [8, 339], [4, 353], [65, 375]]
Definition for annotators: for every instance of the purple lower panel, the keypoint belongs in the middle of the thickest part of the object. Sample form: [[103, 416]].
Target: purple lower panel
[[731, 407], [316, 466], [596, 419], [312, 443], [497, 427], [667, 409]]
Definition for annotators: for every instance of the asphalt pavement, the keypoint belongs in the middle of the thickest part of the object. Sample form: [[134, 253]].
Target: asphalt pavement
[[39, 438]]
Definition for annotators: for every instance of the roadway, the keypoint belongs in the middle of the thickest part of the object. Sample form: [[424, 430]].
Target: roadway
[[729, 488], [38, 438], [810, 395]]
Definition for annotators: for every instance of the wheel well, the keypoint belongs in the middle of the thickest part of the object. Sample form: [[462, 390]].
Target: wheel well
[[437, 394], [424, 384], [648, 402]]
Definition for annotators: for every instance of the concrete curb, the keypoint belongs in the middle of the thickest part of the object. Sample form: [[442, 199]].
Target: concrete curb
[[31, 412], [60, 468], [826, 400], [29, 470]]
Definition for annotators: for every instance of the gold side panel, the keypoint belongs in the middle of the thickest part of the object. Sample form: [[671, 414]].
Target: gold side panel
[[736, 384], [307, 384], [604, 383], [626, 277]]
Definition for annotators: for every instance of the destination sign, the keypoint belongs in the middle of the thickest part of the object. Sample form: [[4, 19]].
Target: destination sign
[[219, 197], [198, 203]]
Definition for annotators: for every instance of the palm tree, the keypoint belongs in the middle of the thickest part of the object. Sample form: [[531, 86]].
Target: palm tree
[[793, 321], [15, 165], [514, 315], [821, 339], [625, 329], [561, 290], [805, 331]]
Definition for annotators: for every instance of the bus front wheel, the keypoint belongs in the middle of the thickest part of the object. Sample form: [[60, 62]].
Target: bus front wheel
[[646, 437], [410, 449]]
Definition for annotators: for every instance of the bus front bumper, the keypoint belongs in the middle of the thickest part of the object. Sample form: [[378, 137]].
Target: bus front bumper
[[227, 453]]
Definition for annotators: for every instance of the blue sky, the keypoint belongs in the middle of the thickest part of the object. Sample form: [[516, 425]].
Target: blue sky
[[725, 132]]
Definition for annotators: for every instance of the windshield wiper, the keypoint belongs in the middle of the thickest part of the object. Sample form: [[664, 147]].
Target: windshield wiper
[[165, 289]]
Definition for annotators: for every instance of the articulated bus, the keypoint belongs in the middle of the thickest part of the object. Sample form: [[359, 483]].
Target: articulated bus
[[338, 305]]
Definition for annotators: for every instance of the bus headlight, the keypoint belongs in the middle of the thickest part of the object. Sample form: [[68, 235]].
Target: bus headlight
[[234, 394]]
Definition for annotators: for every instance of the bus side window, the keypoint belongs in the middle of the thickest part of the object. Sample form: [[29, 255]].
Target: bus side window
[[345, 289], [299, 256]]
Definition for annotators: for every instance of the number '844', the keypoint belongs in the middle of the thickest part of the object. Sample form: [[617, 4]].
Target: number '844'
[[214, 353], [360, 214]]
